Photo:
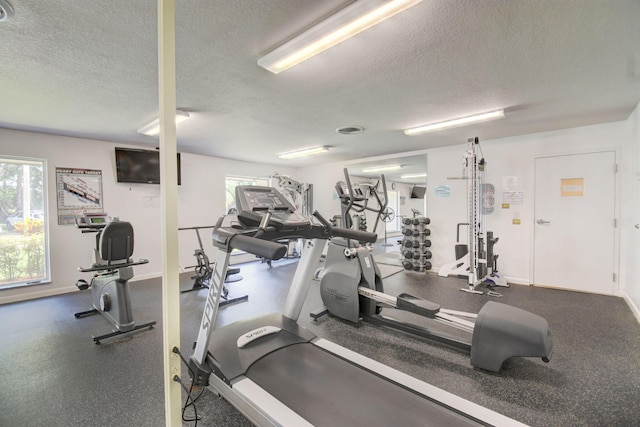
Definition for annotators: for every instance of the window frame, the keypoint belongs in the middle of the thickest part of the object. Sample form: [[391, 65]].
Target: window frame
[[46, 276]]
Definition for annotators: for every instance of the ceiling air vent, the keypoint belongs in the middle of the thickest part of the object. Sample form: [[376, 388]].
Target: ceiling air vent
[[350, 130], [6, 10]]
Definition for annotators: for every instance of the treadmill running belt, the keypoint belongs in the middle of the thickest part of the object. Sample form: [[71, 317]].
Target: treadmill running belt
[[329, 391]]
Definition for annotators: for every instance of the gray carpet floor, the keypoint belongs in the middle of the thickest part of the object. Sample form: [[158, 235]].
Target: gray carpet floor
[[52, 374]]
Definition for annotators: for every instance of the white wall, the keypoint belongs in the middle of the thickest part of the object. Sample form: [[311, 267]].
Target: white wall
[[201, 202], [419, 204], [505, 157], [324, 179], [325, 200], [630, 236], [202, 198]]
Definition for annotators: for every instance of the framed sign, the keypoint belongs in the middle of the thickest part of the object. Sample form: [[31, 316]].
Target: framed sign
[[78, 191]]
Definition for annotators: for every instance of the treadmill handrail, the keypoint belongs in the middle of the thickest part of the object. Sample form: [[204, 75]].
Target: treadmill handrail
[[225, 232], [347, 233], [262, 248]]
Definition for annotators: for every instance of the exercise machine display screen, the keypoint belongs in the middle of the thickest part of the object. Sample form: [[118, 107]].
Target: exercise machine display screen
[[92, 220], [253, 203], [264, 200]]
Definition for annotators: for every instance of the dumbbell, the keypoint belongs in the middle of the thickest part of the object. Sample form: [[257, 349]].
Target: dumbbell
[[408, 243], [416, 221], [415, 232], [416, 266], [416, 254]]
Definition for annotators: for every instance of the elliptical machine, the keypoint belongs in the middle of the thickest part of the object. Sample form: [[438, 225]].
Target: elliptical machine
[[113, 268], [351, 288], [353, 198]]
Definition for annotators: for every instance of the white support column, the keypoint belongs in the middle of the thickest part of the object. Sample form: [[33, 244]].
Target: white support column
[[169, 195]]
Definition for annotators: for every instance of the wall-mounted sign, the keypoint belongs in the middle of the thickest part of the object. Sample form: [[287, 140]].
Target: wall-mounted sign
[[513, 197], [442, 191], [572, 187], [78, 191]]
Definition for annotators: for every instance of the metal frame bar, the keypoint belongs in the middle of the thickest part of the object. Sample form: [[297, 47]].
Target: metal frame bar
[[302, 278], [211, 306], [448, 317], [446, 399]]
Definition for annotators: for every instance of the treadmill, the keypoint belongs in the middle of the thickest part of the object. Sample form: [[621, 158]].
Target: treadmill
[[276, 372]]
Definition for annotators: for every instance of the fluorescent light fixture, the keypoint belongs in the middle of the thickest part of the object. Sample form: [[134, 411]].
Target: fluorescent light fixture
[[383, 168], [346, 23], [493, 115], [153, 128], [304, 152], [413, 175]]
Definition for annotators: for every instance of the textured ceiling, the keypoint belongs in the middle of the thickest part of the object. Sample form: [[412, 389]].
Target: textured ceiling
[[89, 69]]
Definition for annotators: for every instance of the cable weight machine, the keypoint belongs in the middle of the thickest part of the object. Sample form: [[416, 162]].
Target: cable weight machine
[[478, 262]]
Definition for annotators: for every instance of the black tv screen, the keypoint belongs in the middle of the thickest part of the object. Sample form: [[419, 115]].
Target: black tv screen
[[418, 192], [139, 166]]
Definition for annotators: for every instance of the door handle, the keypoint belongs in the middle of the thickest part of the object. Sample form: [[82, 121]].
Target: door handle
[[637, 226], [542, 222]]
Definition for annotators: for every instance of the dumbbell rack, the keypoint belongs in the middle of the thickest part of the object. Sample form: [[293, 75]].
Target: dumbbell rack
[[415, 244]]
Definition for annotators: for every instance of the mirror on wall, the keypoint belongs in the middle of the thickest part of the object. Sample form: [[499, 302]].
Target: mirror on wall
[[406, 187]]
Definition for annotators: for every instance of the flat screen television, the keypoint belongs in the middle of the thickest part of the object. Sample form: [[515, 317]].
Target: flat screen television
[[135, 165], [418, 192]]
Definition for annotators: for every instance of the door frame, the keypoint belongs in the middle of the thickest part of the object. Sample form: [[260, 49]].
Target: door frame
[[616, 202]]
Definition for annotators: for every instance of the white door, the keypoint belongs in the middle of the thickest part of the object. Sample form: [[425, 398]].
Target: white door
[[575, 222]]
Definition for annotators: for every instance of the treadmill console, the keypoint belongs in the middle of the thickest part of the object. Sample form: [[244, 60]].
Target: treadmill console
[[253, 202]]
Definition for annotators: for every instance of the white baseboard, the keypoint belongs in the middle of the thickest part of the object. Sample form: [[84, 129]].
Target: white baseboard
[[39, 294], [48, 291], [518, 281], [632, 306], [510, 280]]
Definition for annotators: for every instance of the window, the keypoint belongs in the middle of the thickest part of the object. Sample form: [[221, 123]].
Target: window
[[24, 257]]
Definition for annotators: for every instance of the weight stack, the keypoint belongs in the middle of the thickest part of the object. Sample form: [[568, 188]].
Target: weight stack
[[415, 244]]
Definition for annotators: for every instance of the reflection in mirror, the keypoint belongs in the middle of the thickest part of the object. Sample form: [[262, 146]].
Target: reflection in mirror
[[406, 179]]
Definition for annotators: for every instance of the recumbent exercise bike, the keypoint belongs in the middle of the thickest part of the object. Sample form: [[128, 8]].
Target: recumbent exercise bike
[[113, 268]]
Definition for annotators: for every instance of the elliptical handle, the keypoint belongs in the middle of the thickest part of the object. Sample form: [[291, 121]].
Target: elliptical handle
[[352, 197], [262, 248], [347, 233], [323, 221], [383, 205]]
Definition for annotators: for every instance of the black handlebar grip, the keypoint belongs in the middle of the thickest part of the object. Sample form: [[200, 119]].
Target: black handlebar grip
[[262, 248], [347, 233]]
